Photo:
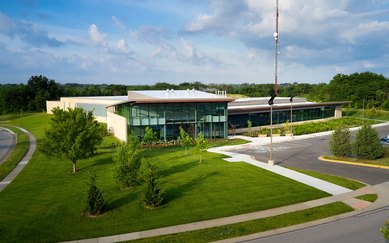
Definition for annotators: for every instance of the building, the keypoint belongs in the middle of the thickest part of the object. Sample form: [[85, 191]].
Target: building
[[212, 114], [163, 111]]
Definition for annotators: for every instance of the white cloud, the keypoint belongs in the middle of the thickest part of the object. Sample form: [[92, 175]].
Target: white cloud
[[97, 37], [122, 46]]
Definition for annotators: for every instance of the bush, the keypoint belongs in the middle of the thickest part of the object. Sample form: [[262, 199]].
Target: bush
[[127, 163], [340, 144], [367, 144], [150, 191], [385, 230], [95, 204]]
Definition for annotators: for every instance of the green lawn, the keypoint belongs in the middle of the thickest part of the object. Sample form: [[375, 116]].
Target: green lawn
[[368, 197], [384, 160], [45, 201], [17, 153], [348, 183], [255, 226], [369, 114]]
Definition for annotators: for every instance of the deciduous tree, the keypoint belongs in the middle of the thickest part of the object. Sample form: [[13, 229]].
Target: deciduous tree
[[73, 134]]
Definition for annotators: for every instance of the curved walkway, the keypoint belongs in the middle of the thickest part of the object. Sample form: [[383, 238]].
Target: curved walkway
[[12, 175], [7, 143]]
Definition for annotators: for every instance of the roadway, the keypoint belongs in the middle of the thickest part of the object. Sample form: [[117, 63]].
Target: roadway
[[304, 153], [7, 142], [360, 228]]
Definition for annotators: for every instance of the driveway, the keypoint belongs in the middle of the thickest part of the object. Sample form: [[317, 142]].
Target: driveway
[[303, 154], [7, 141]]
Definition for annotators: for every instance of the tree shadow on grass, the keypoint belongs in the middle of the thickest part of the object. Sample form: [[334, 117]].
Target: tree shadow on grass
[[180, 190], [119, 202], [97, 162], [177, 168]]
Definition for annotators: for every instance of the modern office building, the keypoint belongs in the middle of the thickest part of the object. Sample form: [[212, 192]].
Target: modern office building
[[212, 114]]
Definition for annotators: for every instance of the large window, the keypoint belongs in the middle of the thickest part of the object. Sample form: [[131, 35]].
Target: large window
[[208, 118], [263, 118]]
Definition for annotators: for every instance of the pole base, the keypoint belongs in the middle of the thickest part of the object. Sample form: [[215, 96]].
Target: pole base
[[270, 162]]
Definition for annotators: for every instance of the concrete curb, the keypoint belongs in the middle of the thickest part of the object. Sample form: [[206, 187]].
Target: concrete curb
[[20, 166], [352, 163]]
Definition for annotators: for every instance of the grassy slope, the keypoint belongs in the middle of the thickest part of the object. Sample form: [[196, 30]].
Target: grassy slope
[[45, 201]]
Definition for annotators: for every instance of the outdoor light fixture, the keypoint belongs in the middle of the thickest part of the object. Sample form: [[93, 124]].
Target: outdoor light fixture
[[271, 102], [291, 114]]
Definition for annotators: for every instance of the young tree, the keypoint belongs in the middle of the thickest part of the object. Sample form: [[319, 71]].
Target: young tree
[[127, 162], [385, 230], [250, 127], [150, 191], [150, 136], [367, 143], [340, 144], [185, 139], [73, 134], [201, 143], [95, 203]]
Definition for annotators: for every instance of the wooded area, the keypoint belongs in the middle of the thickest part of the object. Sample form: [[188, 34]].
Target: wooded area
[[365, 90]]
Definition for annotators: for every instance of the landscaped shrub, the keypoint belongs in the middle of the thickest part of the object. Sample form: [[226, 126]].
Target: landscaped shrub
[[95, 204], [367, 143], [127, 163], [340, 144], [150, 192], [385, 230]]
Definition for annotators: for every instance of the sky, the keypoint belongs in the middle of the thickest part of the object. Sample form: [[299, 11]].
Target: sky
[[135, 42]]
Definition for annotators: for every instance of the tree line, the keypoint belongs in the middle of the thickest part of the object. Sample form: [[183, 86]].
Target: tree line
[[365, 90]]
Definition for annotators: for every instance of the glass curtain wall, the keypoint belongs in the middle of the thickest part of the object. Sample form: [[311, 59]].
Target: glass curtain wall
[[263, 118], [166, 119]]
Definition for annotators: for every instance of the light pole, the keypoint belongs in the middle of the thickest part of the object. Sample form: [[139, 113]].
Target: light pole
[[271, 102], [291, 114]]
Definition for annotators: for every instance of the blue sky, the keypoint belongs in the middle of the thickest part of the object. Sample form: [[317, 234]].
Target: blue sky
[[212, 41]]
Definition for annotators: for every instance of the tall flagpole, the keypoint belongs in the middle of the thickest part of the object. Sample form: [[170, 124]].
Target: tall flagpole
[[276, 53]]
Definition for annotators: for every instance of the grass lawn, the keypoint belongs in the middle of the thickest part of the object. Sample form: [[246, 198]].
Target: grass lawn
[[368, 197], [377, 114], [348, 183], [381, 161], [45, 201], [17, 153], [255, 226]]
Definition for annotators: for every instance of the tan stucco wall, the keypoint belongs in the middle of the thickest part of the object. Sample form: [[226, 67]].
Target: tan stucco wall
[[50, 105], [338, 111], [117, 125]]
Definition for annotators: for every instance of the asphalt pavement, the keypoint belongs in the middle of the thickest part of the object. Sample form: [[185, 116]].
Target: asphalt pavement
[[7, 142], [304, 153]]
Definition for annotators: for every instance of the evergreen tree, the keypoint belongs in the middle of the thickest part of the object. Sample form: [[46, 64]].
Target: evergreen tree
[[150, 191], [340, 144], [367, 143], [127, 163], [95, 203]]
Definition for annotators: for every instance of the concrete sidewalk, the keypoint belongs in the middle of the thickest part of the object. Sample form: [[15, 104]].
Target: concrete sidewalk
[[15, 172], [347, 198], [294, 175]]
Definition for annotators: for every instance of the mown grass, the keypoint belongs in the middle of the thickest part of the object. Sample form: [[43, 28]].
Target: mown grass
[[254, 226], [344, 182], [368, 197], [17, 153], [383, 161], [367, 113], [45, 202]]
